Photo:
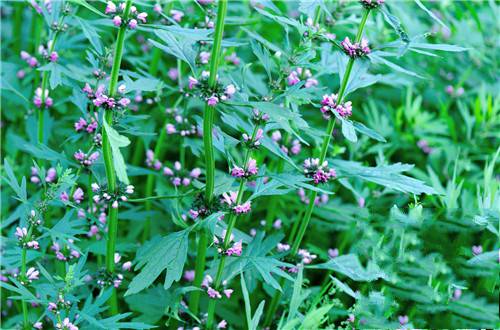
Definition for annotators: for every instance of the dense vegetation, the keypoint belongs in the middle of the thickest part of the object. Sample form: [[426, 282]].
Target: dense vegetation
[[349, 177]]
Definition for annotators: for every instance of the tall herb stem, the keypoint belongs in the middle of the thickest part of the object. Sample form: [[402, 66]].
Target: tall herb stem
[[208, 122], [324, 150], [108, 161], [227, 237]]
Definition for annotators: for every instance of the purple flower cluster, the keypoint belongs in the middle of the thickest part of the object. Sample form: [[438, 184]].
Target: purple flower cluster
[[211, 96], [235, 250], [100, 99], [293, 148], [300, 74], [253, 141], [30, 60], [357, 49], [180, 176], [179, 124], [118, 21], [86, 159], [371, 4], [101, 194], [84, 125], [320, 173], [230, 199], [25, 239], [37, 99], [250, 169], [50, 176], [329, 104], [321, 199], [212, 293], [65, 252]]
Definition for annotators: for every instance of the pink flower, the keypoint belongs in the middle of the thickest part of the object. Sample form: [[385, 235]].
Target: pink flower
[[32, 274], [237, 172], [333, 253], [78, 195], [212, 100], [403, 319], [177, 15], [282, 247], [64, 196], [117, 21], [142, 17], [52, 307], [228, 293], [355, 49], [66, 324], [276, 136], [189, 275], [110, 8], [33, 245], [170, 129], [157, 8], [252, 168], [127, 265], [477, 250], [236, 249], [38, 325], [53, 57], [222, 324], [80, 124], [214, 294], [173, 73], [243, 208], [204, 57], [292, 79], [192, 82], [230, 90], [195, 173], [277, 224], [21, 232], [132, 24]]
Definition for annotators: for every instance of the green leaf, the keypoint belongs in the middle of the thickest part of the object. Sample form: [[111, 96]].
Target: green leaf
[[368, 131], [344, 287], [91, 34], [386, 175], [315, 318], [117, 141], [430, 13], [181, 48], [350, 266], [168, 253], [89, 7], [348, 130], [255, 260]]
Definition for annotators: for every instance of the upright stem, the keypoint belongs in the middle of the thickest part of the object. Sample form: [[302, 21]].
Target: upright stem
[[227, 237], [108, 161], [45, 81], [208, 121], [324, 150]]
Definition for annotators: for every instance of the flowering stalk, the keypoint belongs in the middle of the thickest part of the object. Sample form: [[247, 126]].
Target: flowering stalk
[[108, 161], [45, 79], [324, 149], [208, 119], [227, 237]]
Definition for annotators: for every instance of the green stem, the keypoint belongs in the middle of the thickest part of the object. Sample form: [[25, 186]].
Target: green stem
[[209, 114], [45, 81], [208, 120], [324, 150], [108, 161], [227, 237], [194, 299]]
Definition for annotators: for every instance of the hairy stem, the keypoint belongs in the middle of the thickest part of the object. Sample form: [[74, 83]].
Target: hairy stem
[[208, 121], [108, 161]]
